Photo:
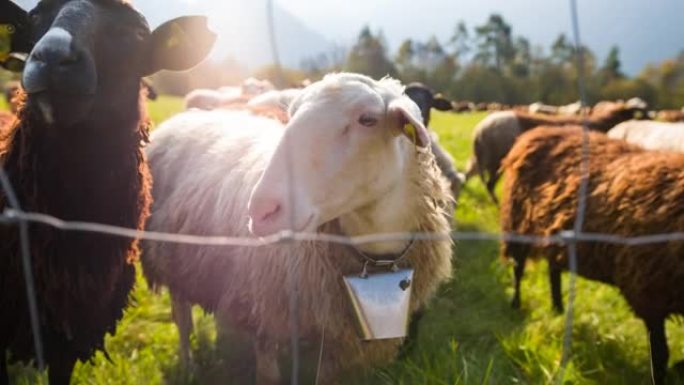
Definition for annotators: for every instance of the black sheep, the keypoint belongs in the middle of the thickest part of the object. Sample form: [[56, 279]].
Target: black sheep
[[75, 153]]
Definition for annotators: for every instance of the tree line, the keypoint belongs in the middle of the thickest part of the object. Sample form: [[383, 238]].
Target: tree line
[[485, 63]]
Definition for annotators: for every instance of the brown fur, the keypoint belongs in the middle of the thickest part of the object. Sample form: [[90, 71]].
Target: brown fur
[[491, 143], [671, 116], [601, 121], [632, 192], [82, 279], [6, 122]]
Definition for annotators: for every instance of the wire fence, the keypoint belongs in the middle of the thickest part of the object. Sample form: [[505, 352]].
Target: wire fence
[[14, 215]]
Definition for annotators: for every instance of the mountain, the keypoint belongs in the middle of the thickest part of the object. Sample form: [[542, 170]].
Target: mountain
[[242, 28]]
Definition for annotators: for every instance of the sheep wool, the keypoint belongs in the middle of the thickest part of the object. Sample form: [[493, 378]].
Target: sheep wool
[[205, 165], [632, 192]]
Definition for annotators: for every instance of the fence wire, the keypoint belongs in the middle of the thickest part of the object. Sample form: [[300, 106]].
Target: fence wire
[[582, 198], [14, 215]]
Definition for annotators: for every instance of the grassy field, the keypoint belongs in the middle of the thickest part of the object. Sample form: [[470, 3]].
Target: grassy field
[[470, 335]]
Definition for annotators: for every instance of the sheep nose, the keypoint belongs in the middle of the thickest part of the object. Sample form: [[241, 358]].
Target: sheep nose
[[53, 61], [264, 214]]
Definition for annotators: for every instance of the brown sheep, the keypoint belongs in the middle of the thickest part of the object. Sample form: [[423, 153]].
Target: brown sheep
[[75, 152], [495, 135], [671, 116], [631, 192]]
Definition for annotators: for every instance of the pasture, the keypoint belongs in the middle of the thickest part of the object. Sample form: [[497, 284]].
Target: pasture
[[469, 335]]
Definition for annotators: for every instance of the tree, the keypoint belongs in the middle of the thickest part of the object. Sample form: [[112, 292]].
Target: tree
[[369, 56], [495, 43], [611, 67], [562, 50], [460, 41], [523, 58]]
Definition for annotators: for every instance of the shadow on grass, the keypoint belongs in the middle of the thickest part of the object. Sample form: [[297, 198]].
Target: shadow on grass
[[229, 359], [462, 326], [225, 359]]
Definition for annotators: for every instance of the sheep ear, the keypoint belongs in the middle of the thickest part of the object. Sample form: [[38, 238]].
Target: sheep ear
[[441, 103], [179, 44], [404, 114], [15, 32], [14, 62]]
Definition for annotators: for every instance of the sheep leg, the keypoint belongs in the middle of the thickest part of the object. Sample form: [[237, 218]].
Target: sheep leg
[[555, 281], [518, 271], [267, 370], [59, 369], [182, 316], [471, 168], [659, 351], [491, 185]]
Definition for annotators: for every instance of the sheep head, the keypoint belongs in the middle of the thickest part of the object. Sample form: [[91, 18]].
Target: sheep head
[[347, 144], [90, 53]]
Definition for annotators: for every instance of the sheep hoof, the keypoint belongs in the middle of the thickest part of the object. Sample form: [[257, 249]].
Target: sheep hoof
[[515, 303]]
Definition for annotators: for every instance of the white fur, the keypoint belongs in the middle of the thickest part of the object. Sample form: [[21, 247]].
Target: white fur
[[275, 98], [210, 166], [651, 135], [338, 165]]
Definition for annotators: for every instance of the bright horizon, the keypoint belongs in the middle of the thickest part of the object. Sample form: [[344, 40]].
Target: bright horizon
[[646, 32]]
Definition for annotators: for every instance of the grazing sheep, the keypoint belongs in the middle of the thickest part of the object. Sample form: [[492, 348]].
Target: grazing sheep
[[482, 106], [463, 106], [631, 192], [426, 101], [494, 136], [75, 153], [206, 99], [671, 116], [275, 98], [651, 135], [252, 86], [541, 108], [566, 110], [225, 172]]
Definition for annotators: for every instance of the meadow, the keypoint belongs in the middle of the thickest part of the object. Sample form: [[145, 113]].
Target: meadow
[[469, 335]]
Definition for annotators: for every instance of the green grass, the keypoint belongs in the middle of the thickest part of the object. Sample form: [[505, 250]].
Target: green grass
[[162, 108], [469, 335]]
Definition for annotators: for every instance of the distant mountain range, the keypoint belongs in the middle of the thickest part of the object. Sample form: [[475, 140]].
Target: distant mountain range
[[243, 29], [645, 31]]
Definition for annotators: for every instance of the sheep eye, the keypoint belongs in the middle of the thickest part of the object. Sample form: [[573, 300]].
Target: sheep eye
[[368, 121]]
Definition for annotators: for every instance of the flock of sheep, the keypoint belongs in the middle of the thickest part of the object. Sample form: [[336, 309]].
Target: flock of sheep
[[347, 155]]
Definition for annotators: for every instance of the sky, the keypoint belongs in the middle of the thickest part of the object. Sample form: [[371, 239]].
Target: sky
[[646, 31]]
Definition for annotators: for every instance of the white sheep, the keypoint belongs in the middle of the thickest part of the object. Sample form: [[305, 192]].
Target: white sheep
[[275, 98], [650, 134], [354, 159], [207, 99]]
